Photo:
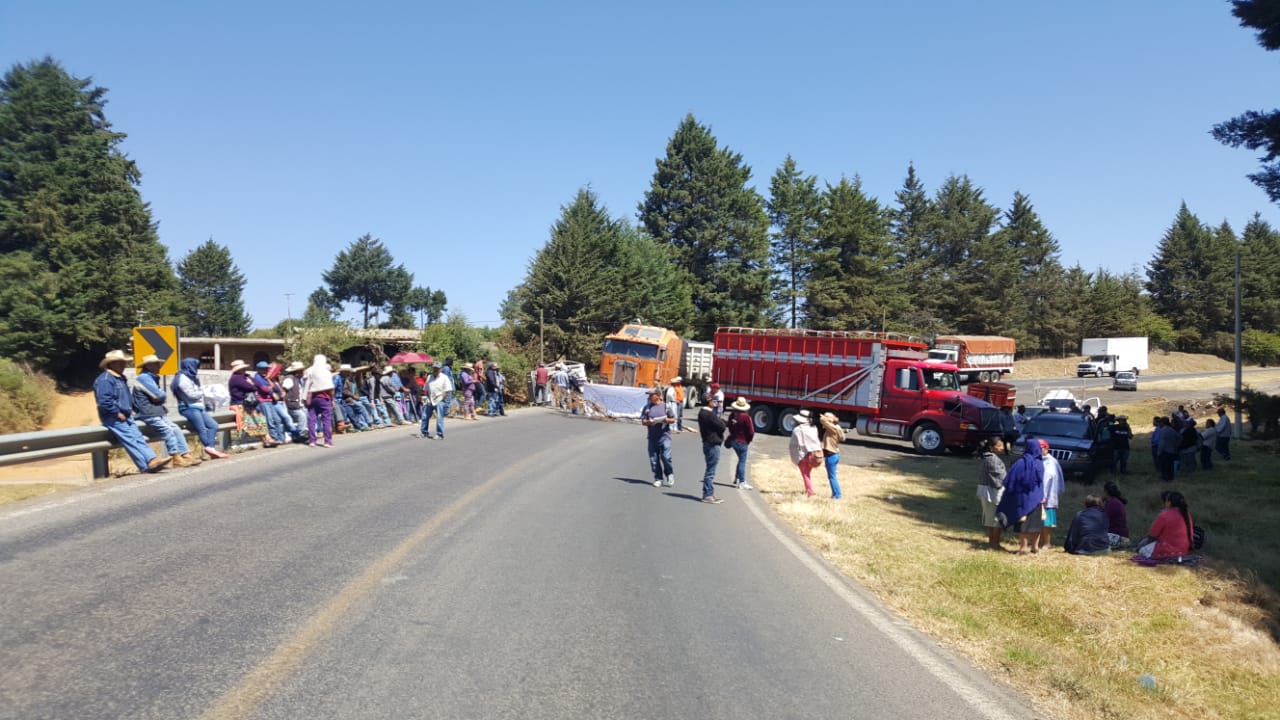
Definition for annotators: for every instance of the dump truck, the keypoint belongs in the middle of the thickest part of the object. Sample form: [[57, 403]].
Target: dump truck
[[879, 384], [645, 356], [977, 358]]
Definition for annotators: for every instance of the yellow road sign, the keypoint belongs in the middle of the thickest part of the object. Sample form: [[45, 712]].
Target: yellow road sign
[[158, 340]]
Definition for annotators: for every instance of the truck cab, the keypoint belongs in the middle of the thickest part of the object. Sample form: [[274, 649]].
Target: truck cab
[[640, 356]]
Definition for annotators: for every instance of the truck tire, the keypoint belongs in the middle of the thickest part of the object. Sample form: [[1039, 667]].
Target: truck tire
[[691, 397], [762, 418], [927, 439], [787, 420]]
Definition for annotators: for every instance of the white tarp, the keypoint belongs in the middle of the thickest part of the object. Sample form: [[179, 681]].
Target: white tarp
[[616, 401]]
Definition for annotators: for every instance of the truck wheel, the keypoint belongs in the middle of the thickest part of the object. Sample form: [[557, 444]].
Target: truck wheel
[[787, 420], [927, 439], [762, 418], [691, 397]]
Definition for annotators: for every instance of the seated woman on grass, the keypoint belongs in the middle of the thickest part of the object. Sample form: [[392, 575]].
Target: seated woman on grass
[[1088, 533], [1172, 532], [1113, 504]]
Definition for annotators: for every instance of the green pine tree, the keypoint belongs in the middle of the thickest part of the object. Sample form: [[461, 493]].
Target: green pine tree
[[699, 203], [1037, 272], [794, 207], [367, 273], [211, 288], [1260, 276], [1258, 130], [851, 284], [80, 260]]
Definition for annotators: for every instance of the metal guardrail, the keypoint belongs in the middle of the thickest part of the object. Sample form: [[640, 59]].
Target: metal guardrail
[[19, 448]]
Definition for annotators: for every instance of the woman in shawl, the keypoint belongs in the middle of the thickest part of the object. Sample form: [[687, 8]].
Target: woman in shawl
[[1022, 505], [318, 384], [186, 388], [806, 448]]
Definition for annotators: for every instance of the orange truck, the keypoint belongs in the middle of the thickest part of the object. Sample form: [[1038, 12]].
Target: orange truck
[[977, 358], [644, 356]]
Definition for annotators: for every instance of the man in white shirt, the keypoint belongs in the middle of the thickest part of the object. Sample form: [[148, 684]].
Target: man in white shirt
[[1223, 442], [439, 391]]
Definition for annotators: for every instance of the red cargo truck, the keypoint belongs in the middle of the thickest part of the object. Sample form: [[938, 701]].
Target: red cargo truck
[[876, 383]]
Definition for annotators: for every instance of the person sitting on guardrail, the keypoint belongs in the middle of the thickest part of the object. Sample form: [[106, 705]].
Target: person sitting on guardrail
[[186, 388], [149, 400], [391, 386], [267, 405], [294, 403], [115, 411], [346, 384]]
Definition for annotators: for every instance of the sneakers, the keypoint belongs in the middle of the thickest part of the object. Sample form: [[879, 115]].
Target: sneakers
[[328, 445], [712, 500], [657, 483], [745, 486], [671, 481]]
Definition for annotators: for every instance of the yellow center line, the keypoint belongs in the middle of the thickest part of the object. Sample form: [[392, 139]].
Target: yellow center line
[[238, 703]]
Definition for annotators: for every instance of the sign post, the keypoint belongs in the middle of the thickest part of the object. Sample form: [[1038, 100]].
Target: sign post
[[158, 340]]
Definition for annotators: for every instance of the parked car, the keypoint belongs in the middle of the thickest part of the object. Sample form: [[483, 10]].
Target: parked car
[[1125, 380], [1082, 445]]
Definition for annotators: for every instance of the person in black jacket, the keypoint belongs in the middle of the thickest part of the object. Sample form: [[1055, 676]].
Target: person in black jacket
[[1088, 533], [712, 428], [1121, 434]]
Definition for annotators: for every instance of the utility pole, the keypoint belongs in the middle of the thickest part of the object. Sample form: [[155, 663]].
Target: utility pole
[[288, 305]]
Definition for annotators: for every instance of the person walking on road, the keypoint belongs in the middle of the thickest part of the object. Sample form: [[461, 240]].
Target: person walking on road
[[439, 391], [658, 419], [806, 448], [115, 411], [320, 388], [186, 388], [711, 427], [541, 384], [741, 432], [831, 435]]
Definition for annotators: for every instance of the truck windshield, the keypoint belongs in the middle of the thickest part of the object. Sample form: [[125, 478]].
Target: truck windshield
[[627, 348], [940, 380], [941, 355]]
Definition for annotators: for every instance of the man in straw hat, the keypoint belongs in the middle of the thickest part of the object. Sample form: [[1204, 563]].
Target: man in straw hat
[[115, 410], [149, 399], [294, 401]]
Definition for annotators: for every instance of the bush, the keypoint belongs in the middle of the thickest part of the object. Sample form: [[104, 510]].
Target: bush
[[26, 398]]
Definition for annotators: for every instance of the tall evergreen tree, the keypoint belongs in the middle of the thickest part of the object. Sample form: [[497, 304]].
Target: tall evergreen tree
[[1037, 272], [80, 260], [794, 207], [211, 287], [959, 248], [700, 205], [851, 284], [1260, 276], [322, 308], [1258, 130], [366, 273], [1188, 279]]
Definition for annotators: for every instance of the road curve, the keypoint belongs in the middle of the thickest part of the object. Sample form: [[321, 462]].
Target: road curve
[[522, 568]]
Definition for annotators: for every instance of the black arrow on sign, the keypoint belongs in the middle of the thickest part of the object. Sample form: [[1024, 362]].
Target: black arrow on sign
[[157, 343]]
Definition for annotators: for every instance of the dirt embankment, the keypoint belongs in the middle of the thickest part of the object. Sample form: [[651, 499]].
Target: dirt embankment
[[1161, 363]]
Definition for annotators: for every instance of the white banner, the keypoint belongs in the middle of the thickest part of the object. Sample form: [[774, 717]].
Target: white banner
[[616, 401]]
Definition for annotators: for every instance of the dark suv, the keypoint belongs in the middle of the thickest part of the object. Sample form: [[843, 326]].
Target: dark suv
[[1082, 445]]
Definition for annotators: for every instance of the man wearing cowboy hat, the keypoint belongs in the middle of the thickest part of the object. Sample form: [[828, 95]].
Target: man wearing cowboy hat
[[291, 383], [149, 400], [391, 386], [349, 390], [115, 410], [674, 398]]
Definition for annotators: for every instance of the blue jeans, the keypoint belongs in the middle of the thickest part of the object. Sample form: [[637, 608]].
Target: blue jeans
[[202, 424], [833, 461], [740, 472], [275, 427], [495, 403], [131, 438], [377, 411], [439, 410], [286, 419], [175, 443], [660, 456], [1121, 461], [396, 412], [357, 415], [710, 453]]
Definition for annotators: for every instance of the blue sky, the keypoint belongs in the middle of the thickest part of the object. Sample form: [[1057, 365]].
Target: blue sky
[[455, 133]]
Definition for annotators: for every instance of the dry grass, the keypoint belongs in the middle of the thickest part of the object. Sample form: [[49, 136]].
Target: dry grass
[[1161, 363], [1075, 633], [14, 493]]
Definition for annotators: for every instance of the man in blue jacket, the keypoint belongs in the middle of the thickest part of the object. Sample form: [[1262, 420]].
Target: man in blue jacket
[[150, 403], [115, 410]]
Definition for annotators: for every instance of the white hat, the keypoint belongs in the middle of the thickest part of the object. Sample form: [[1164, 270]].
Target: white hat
[[388, 370], [741, 405], [295, 366], [344, 367], [113, 356], [803, 416], [676, 380], [149, 359], [238, 365]]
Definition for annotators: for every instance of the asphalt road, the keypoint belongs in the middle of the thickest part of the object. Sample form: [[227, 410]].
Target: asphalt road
[[522, 568]]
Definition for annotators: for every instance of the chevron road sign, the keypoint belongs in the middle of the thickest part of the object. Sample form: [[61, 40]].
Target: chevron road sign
[[159, 340]]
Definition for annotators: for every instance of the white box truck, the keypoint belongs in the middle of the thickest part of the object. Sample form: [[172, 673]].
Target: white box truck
[[1107, 356]]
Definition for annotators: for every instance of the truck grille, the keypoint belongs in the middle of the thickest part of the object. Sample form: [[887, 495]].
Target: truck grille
[[1061, 455]]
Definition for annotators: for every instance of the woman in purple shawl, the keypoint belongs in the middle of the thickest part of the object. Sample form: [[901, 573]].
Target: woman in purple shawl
[[1022, 505]]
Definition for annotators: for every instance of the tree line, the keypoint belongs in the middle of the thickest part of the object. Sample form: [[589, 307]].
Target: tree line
[[81, 260], [708, 250]]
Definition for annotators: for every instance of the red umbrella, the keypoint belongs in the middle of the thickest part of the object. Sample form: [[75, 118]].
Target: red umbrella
[[404, 358]]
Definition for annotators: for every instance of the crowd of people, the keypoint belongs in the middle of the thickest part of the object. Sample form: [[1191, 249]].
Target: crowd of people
[[287, 404], [662, 418]]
